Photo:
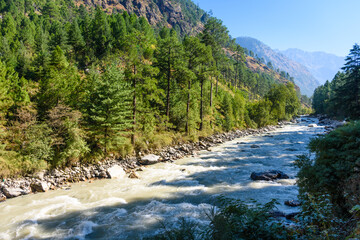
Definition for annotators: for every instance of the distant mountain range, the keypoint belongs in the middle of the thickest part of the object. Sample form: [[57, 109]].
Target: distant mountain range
[[323, 66], [308, 69]]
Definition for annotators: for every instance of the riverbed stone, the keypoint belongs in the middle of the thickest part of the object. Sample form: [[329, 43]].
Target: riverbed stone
[[292, 203], [116, 171], [149, 159], [291, 216], [255, 146], [11, 192], [133, 175], [2, 197], [40, 186], [312, 125], [268, 175]]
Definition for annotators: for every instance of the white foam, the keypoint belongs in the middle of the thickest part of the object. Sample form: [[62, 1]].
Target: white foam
[[83, 229]]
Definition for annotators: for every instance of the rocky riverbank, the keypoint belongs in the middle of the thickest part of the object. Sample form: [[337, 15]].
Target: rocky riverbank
[[113, 168]]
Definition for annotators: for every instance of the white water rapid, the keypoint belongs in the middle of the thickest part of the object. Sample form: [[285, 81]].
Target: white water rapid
[[166, 192]]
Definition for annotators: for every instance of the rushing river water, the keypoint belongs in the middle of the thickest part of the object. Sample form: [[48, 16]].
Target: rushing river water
[[166, 192]]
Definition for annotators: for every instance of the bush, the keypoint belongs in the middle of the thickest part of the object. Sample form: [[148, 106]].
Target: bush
[[337, 156]]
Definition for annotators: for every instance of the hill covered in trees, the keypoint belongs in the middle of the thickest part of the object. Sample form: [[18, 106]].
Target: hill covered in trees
[[280, 63], [83, 83], [340, 97]]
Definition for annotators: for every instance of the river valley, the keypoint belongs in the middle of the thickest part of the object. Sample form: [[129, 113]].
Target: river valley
[[164, 193]]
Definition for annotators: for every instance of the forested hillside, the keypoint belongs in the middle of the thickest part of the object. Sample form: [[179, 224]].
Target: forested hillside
[[285, 66], [82, 83], [340, 97]]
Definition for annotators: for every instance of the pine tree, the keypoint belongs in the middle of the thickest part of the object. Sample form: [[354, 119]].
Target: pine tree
[[350, 91], [76, 39], [109, 113], [195, 56], [101, 34], [169, 56]]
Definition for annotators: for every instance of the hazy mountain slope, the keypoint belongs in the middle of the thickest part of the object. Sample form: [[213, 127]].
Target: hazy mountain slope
[[303, 78], [184, 15], [322, 65]]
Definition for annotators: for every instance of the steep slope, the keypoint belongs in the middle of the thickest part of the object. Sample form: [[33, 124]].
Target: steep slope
[[303, 78], [323, 66], [183, 15]]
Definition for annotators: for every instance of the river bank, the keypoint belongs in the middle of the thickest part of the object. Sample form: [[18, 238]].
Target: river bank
[[113, 168], [164, 193]]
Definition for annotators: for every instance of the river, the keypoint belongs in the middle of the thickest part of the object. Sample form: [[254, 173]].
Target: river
[[164, 193]]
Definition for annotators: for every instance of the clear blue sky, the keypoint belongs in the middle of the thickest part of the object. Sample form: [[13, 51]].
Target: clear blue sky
[[331, 26]]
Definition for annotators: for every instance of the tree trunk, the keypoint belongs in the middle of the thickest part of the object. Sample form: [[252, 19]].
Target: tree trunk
[[168, 88], [211, 93], [187, 130], [217, 83], [134, 108], [201, 105]]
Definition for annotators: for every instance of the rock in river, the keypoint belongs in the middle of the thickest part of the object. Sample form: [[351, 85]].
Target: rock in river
[[2, 197], [292, 203], [116, 172], [40, 186], [268, 175], [12, 192], [255, 146], [149, 159]]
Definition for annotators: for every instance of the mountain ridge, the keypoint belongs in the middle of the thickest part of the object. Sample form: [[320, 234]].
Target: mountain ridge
[[302, 76], [323, 66]]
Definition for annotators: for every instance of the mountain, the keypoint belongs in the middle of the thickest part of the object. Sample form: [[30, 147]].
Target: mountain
[[323, 66], [302, 76], [183, 15]]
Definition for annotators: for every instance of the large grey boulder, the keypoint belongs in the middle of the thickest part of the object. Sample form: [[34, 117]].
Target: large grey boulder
[[268, 175], [11, 192], [40, 186], [149, 159], [116, 171]]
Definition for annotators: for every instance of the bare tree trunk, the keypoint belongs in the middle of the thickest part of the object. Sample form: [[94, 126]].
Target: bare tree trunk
[[168, 88], [211, 94], [217, 83], [187, 130], [201, 105], [134, 108]]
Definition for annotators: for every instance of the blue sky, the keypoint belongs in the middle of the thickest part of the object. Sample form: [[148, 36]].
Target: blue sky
[[312, 25]]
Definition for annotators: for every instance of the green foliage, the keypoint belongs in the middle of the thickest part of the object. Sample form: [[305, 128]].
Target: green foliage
[[234, 219], [150, 87], [335, 161], [108, 108], [340, 97]]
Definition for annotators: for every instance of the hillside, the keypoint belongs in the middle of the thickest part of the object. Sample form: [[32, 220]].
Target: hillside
[[183, 15], [303, 78], [323, 66]]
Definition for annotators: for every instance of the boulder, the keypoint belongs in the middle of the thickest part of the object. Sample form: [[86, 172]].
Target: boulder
[[149, 159], [39, 186], [133, 175], [312, 125], [12, 192], [277, 214], [2, 197], [291, 216], [292, 203], [268, 175], [116, 171], [255, 146]]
